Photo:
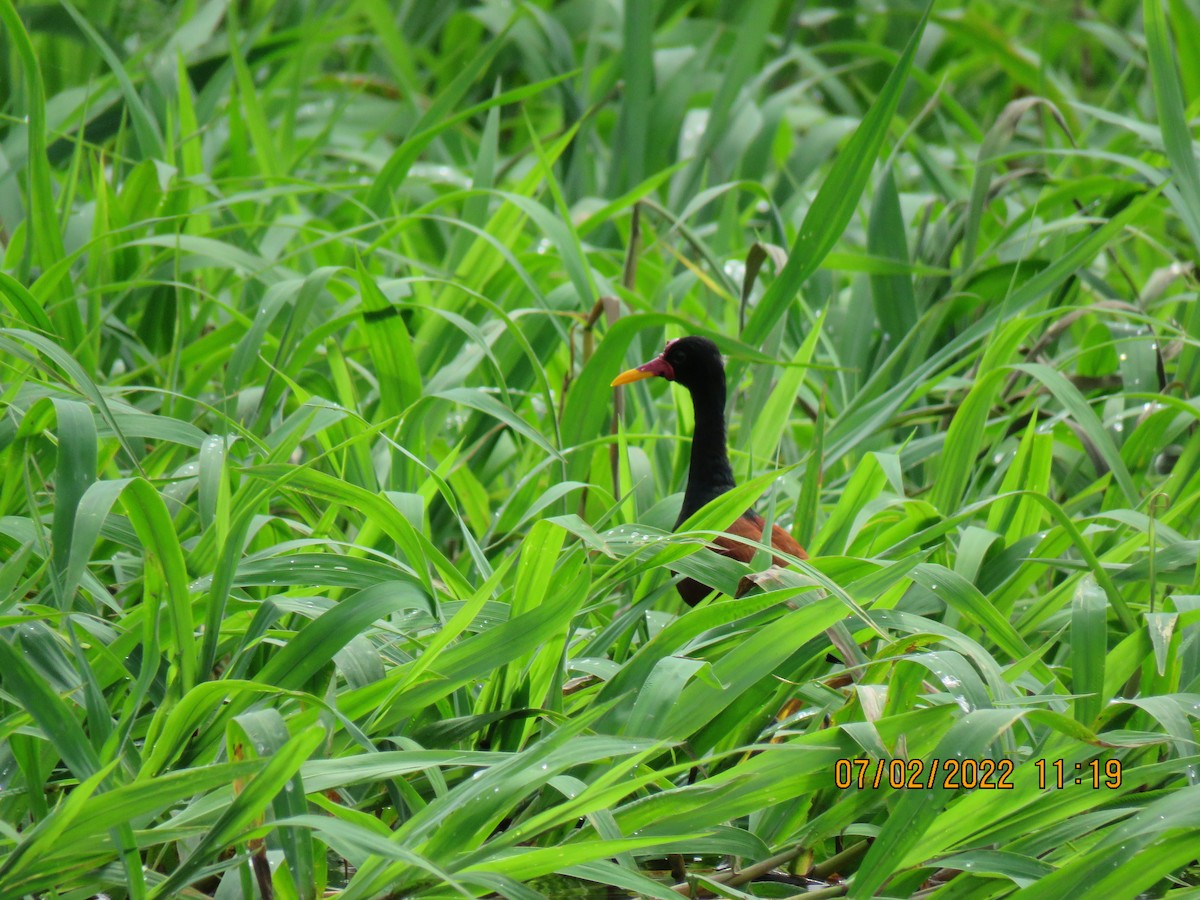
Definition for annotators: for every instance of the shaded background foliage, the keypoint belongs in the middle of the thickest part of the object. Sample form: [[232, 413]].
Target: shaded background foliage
[[330, 562]]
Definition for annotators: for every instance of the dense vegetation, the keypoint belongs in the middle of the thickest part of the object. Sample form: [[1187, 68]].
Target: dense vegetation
[[330, 562]]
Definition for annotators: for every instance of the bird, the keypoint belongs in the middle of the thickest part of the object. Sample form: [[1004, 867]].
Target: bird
[[695, 363]]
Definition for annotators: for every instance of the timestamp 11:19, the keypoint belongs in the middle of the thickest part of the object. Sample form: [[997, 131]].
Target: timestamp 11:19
[[1097, 773]]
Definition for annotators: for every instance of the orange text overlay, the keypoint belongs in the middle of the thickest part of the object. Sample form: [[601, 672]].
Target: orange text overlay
[[971, 774]]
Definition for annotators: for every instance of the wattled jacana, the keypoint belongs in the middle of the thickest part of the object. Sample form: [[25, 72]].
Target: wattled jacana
[[696, 363]]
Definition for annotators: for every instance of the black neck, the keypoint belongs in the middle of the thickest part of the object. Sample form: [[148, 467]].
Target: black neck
[[709, 474]]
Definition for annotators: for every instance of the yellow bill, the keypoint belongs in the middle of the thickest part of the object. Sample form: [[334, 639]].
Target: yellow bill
[[631, 375]]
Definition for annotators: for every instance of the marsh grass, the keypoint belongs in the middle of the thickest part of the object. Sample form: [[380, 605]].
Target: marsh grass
[[320, 539]]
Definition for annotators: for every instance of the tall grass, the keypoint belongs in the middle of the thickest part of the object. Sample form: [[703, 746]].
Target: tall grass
[[331, 564]]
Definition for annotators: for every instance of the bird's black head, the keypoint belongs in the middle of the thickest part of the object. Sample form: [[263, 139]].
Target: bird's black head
[[694, 362]]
